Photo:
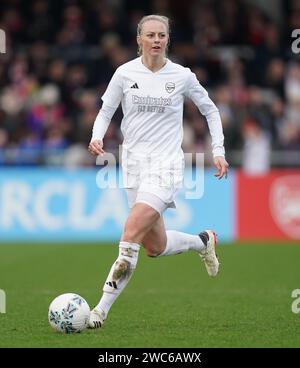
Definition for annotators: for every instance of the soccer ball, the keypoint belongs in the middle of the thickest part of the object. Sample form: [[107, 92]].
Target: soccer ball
[[69, 313]]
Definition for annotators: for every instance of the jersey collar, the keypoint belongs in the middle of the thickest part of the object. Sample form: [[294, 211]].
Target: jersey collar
[[158, 71]]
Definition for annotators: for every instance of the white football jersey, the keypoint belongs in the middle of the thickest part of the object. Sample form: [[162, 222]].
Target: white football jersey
[[152, 104]]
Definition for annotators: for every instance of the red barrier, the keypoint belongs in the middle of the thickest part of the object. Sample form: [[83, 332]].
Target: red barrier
[[268, 207]]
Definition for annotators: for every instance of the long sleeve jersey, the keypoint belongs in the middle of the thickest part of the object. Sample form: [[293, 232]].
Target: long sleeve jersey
[[152, 104]]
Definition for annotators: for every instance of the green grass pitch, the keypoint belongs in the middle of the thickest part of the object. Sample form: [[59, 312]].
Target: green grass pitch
[[169, 302]]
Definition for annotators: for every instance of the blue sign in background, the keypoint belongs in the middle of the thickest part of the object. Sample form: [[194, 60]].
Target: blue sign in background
[[42, 204]]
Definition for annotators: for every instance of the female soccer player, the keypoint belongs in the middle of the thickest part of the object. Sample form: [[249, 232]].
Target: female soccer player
[[152, 89]]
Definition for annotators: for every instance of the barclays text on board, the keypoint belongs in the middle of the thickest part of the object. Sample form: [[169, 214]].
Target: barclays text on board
[[60, 205]]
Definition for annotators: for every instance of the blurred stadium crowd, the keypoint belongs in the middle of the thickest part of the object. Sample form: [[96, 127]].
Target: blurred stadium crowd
[[61, 55]]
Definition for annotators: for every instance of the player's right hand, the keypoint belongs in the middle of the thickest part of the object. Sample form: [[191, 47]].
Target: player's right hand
[[96, 147]]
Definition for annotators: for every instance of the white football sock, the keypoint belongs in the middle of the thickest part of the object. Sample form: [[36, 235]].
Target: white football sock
[[119, 276], [178, 242]]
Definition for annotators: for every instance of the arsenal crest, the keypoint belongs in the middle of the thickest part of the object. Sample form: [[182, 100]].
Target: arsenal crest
[[170, 86]]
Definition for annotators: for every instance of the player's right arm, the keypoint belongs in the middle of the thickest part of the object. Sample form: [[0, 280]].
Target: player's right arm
[[111, 100], [101, 124], [96, 147]]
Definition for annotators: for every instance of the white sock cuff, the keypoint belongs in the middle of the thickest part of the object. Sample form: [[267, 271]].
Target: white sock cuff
[[178, 242], [169, 234], [129, 252], [130, 246]]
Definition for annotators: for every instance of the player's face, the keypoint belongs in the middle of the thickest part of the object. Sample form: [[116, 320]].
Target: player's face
[[154, 38]]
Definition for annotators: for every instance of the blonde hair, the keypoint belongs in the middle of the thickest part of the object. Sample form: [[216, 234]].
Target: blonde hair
[[159, 18]]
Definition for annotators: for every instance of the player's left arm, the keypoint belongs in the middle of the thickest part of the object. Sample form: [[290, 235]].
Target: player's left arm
[[222, 167], [207, 108]]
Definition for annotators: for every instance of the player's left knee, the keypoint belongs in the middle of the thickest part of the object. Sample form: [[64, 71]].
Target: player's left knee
[[151, 253], [154, 251], [153, 248]]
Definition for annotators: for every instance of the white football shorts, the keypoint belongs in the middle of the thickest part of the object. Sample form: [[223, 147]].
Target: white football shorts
[[152, 180]]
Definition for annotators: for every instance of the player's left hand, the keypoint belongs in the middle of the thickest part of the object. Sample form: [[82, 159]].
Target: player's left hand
[[222, 166]]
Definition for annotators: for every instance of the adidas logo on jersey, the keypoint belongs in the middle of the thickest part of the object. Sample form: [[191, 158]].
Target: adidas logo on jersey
[[134, 86]]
